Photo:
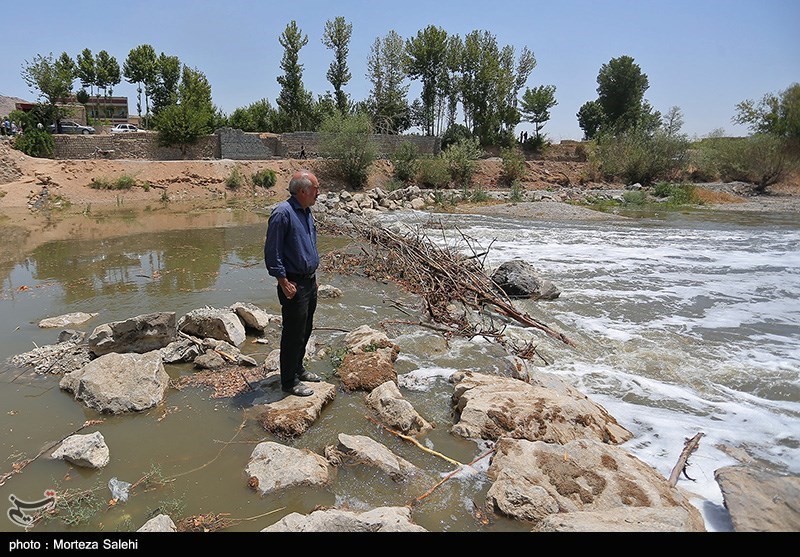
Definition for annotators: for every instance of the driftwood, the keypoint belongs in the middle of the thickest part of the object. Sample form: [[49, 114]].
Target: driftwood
[[440, 276], [683, 461]]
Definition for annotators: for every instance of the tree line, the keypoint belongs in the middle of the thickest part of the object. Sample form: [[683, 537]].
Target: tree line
[[472, 89]]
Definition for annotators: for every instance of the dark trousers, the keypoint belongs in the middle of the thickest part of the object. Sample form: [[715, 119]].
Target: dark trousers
[[298, 321]]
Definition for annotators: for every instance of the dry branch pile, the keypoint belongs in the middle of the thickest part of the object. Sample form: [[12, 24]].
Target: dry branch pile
[[442, 277]]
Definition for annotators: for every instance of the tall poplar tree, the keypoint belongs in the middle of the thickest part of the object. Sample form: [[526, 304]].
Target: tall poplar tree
[[294, 103], [141, 67], [388, 100], [427, 61], [337, 38]]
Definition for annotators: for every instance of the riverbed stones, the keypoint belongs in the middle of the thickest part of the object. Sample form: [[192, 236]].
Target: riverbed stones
[[392, 409], [291, 416], [534, 480], [118, 383], [519, 279], [759, 500], [67, 320], [253, 316], [160, 523], [364, 371], [88, 451], [139, 334], [274, 467], [380, 519], [221, 324], [363, 450], [490, 407]]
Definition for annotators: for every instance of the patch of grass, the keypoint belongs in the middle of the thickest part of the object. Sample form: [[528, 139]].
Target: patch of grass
[[635, 198], [164, 196], [477, 195], [337, 356], [124, 182]]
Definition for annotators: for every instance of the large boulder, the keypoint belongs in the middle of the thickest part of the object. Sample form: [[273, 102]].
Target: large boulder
[[274, 467], [160, 523], [364, 371], [759, 500], [253, 316], [534, 481], [139, 334], [392, 409], [519, 279], [490, 407], [291, 416], [363, 450], [380, 519], [117, 383], [365, 339], [89, 451], [67, 320], [221, 324]]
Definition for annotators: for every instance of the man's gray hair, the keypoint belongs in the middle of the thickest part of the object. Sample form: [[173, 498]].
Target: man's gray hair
[[300, 182]]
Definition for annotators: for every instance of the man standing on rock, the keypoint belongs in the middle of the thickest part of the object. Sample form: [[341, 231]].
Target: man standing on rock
[[290, 253]]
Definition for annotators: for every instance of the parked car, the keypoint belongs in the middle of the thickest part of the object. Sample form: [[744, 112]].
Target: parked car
[[125, 128], [68, 126]]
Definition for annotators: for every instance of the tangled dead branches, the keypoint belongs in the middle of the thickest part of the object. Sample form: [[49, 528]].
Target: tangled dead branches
[[449, 281]]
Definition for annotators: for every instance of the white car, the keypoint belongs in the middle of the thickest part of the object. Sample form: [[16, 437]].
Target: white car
[[125, 128]]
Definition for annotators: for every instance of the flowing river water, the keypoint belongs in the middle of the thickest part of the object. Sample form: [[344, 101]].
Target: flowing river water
[[685, 322]]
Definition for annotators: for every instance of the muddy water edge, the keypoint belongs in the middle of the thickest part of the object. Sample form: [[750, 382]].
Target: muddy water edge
[[120, 262]]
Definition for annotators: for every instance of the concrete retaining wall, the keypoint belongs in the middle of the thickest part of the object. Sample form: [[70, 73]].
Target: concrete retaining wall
[[129, 146]]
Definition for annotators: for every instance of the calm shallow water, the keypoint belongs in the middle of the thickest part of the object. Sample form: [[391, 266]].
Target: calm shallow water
[[685, 323]]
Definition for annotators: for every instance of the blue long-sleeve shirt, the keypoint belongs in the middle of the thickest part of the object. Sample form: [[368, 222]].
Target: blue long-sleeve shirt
[[291, 242]]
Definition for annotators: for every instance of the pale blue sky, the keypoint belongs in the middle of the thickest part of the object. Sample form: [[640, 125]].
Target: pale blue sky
[[703, 56]]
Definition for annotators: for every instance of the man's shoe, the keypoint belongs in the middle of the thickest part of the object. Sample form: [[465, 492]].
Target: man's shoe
[[299, 390], [310, 377]]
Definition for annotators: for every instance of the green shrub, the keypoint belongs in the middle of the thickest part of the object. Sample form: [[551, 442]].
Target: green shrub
[[346, 140], [514, 167], [265, 178], [638, 156], [454, 134], [635, 197], [516, 193], [235, 179], [676, 194], [35, 143], [462, 160], [406, 162], [760, 159], [477, 195], [124, 182], [433, 172]]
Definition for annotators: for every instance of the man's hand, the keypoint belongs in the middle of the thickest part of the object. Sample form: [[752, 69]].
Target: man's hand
[[289, 288]]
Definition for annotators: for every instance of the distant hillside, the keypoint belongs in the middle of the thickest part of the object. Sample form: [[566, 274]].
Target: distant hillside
[[7, 104]]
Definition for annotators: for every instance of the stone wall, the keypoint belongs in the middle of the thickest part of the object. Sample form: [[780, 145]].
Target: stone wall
[[129, 146], [238, 145], [292, 143]]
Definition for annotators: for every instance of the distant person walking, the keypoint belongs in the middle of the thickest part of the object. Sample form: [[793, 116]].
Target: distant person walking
[[291, 256]]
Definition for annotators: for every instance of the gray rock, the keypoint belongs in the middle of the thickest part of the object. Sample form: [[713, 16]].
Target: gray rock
[[490, 407], [220, 324], [253, 316], [396, 412], [67, 319], [139, 334], [160, 523], [759, 500], [273, 467], [361, 449], [519, 279], [534, 480], [89, 451], [117, 383], [381, 519]]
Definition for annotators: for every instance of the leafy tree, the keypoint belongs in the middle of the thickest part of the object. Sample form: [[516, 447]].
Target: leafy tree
[[294, 102], [141, 67], [52, 78], [462, 158], [194, 92], [777, 115], [590, 118], [164, 90], [427, 61], [490, 83], [180, 125], [406, 162], [107, 75], [337, 38], [346, 140], [259, 116], [86, 70], [672, 121], [620, 91], [35, 143], [388, 102], [536, 105]]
